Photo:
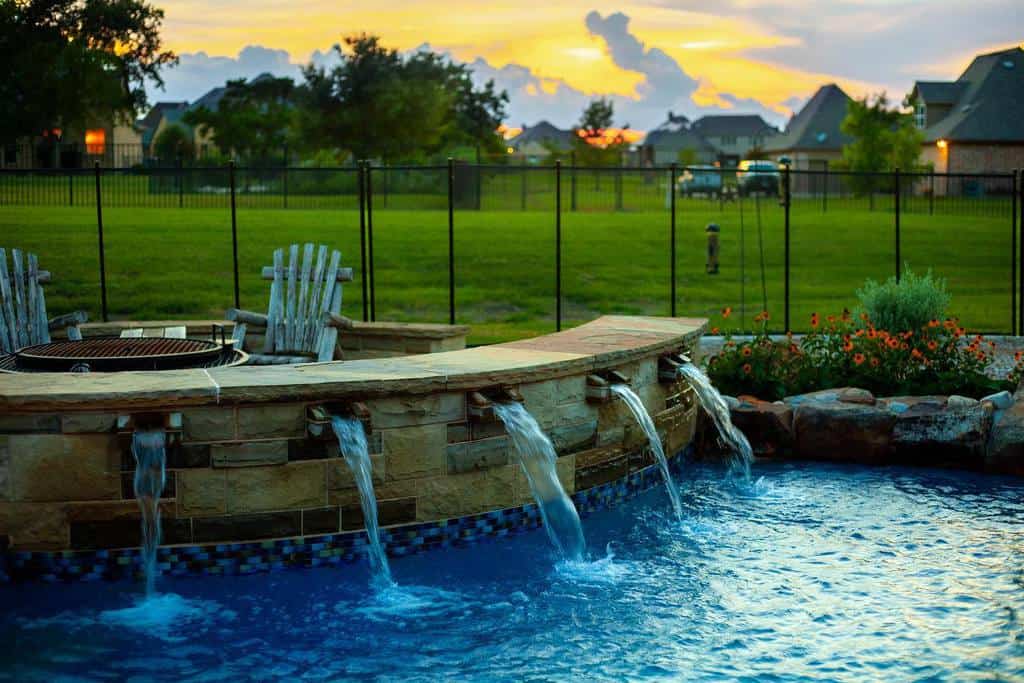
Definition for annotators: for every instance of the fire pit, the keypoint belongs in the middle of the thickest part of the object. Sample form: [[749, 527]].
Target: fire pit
[[115, 354]]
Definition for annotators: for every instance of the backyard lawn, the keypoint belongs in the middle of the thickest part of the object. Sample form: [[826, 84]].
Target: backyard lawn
[[177, 263]]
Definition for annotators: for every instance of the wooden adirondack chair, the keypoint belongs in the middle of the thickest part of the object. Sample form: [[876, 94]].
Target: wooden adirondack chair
[[303, 318], [23, 320]]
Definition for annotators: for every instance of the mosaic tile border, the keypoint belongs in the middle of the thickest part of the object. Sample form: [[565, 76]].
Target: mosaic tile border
[[239, 559]]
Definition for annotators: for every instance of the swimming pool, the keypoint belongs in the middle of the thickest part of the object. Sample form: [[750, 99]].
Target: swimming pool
[[817, 572]]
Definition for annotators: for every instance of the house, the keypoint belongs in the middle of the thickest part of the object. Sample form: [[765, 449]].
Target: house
[[733, 135], [150, 123], [974, 124], [675, 141], [114, 142], [166, 114], [537, 141]]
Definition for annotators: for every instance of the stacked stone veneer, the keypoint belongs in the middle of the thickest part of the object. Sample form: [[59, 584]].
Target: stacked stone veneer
[[243, 472]]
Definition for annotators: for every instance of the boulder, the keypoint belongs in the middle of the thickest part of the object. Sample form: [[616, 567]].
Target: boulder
[[929, 433], [913, 404], [840, 395], [1001, 400], [768, 426], [957, 402], [1006, 449], [843, 432]]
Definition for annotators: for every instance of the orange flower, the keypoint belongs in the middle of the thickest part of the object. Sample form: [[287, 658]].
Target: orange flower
[[761, 317], [932, 345], [872, 334], [747, 368], [875, 362], [916, 354], [727, 311], [831, 318], [933, 323], [949, 324], [715, 330], [793, 348], [959, 332], [981, 355], [893, 343], [907, 335], [848, 346], [814, 320], [846, 314], [747, 351], [859, 333], [858, 358], [864, 317], [1018, 356]]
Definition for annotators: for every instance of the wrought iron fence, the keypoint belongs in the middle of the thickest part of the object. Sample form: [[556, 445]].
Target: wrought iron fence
[[593, 240]]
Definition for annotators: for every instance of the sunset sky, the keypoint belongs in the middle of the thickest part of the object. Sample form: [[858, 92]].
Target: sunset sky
[[756, 56]]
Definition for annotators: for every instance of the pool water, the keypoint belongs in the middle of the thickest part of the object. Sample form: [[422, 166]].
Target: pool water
[[816, 572]]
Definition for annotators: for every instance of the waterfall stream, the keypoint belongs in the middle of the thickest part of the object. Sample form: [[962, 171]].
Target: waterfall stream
[[148, 448], [352, 442], [538, 459], [718, 409]]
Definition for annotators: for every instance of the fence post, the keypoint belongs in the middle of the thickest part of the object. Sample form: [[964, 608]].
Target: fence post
[[824, 194], [522, 189], [618, 186], [1013, 253], [931, 195], [71, 188], [361, 185], [234, 231], [369, 238], [896, 201], [672, 227], [99, 231], [785, 207], [451, 239], [572, 181], [558, 245], [181, 184]]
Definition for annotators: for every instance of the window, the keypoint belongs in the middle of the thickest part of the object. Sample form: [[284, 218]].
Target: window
[[920, 114], [727, 139], [95, 141]]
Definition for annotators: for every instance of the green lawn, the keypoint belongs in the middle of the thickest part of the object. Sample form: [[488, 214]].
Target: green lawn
[[176, 263]]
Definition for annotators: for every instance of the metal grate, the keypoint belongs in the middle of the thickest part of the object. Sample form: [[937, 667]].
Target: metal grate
[[119, 353], [227, 357]]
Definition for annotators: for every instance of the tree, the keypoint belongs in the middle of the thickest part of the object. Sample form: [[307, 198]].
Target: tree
[[68, 63], [884, 139], [379, 104], [251, 120], [173, 143], [594, 144]]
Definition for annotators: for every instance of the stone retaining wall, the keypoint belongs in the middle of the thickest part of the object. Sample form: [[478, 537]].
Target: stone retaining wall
[[244, 464]]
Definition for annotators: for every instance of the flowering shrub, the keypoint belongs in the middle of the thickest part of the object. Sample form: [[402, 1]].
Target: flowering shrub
[[937, 358]]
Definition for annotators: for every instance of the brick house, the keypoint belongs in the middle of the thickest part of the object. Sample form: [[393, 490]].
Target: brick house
[[734, 135]]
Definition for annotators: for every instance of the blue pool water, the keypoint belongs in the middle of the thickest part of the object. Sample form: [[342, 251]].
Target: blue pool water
[[817, 572]]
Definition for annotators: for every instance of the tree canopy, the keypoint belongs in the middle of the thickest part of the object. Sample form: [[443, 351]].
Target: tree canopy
[[884, 138], [592, 143], [70, 62]]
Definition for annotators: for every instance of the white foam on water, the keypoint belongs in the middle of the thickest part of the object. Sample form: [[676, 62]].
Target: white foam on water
[[400, 601]]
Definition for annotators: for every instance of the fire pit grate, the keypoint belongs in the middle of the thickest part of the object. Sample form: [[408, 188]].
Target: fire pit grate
[[111, 354]]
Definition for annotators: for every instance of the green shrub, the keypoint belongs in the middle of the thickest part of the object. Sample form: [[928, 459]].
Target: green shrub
[[905, 305]]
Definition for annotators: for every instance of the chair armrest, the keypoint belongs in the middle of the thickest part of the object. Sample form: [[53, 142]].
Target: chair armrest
[[246, 317], [67, 320]]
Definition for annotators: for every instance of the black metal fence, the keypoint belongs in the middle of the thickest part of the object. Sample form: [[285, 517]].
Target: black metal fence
[[610, 239]]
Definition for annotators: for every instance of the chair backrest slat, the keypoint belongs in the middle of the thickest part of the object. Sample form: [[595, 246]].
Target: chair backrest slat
[[289, 316], [8, 324], [21, 317], [314, 299], [274, 308], [301, 319]]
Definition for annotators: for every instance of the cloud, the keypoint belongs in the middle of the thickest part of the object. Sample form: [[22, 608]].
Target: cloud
[[665, 81]]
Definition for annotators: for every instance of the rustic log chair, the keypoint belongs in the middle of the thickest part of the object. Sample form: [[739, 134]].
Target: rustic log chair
[[303, 318], [23, 320]]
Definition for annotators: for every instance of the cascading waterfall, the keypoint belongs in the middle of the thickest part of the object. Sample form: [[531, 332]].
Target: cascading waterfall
[[636, 406], [538, 459], [148, 448], [352, 442], [718, 409]]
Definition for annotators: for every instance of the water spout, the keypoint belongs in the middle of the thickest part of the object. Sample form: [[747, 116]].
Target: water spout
[[352, 442], [636, 406], [538, 459], [149, 450], [718, 409]]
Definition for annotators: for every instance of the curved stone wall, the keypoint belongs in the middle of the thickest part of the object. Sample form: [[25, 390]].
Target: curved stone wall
[[248, 467]]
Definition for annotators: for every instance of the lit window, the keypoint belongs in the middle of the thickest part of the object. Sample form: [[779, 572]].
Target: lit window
[[920, 114], [95, 141]]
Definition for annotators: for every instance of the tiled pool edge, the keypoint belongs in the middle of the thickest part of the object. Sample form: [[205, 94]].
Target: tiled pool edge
[[256, 557]]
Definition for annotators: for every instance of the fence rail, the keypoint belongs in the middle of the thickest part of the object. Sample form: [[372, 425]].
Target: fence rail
[[808, 233]]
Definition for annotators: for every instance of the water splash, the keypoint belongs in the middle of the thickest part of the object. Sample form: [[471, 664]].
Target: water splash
[[636, 406], [148, 448], [352, 442], [718, 409], [538, 459]]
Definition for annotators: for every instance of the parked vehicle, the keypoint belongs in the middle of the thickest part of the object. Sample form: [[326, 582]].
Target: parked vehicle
[[705, 180], [758, 176]]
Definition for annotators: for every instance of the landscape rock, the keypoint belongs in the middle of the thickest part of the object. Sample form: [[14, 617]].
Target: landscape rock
[[927, 433], [843, 432], [840, 395], [1006, 449], [957, 402], [731, 401], [1001, 400], [913, 404], [768, 426]]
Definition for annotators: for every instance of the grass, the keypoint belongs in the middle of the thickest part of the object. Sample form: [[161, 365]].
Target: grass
[[177, 263]]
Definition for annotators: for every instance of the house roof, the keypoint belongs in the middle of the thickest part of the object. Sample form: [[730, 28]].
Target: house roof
[[990, 106], [746, 125], [149, 123], [938, 92], [540, 132], [816, 126], [210, 100], [680, 138]]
